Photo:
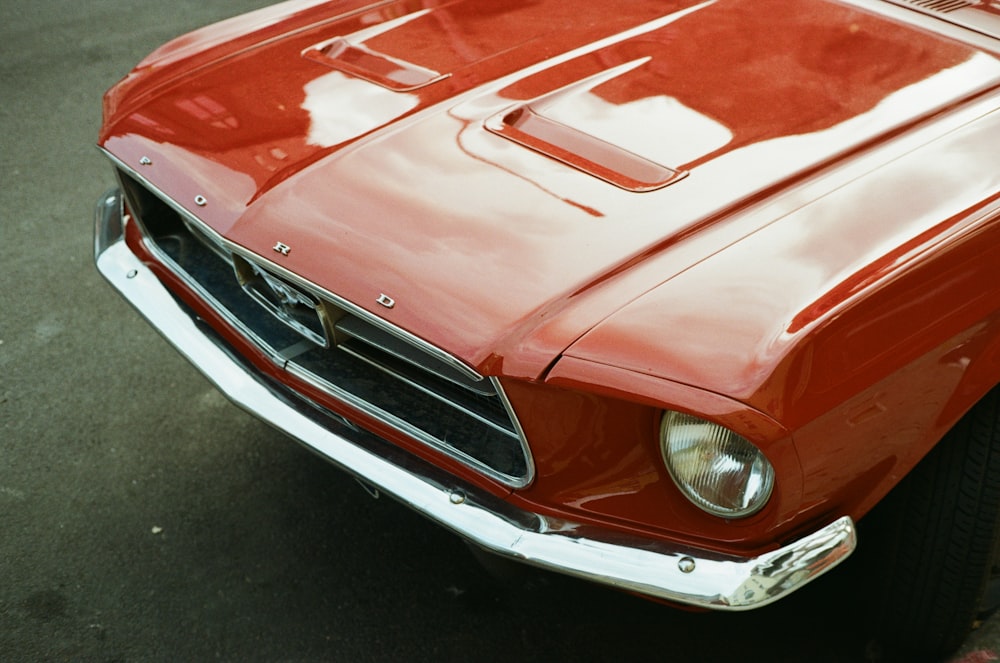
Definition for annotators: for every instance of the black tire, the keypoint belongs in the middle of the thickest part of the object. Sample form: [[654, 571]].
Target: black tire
[[928, 548]]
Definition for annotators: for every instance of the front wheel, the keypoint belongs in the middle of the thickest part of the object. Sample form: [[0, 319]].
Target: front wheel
[[928, 548]]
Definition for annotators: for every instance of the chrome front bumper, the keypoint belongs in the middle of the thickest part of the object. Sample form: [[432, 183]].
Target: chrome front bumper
[[646, 566]]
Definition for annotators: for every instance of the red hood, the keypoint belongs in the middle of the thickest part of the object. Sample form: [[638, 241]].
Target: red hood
[[373, 141]]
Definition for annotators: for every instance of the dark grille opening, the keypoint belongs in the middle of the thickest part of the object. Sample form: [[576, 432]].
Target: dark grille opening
[[364, 365]]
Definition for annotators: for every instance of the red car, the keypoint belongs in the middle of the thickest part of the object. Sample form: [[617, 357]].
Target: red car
[[665, 295]]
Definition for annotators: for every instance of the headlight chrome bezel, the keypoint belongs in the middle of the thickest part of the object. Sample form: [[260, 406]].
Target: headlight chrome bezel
[[717, 470]]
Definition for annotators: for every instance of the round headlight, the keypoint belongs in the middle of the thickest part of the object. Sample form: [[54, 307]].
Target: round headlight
[[718, 470]]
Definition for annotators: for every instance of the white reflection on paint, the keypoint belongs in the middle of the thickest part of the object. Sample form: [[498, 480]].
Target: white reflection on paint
[[770, 159], [341, 108], [659, 128]]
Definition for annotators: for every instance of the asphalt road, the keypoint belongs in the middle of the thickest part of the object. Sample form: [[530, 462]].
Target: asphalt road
[[144, 518]]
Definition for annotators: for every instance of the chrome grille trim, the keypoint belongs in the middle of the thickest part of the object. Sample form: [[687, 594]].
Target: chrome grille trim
[[430, 392], [357, 311], [409, 429], [512, 464], [229, 247], [643, 565], [964, 13], [406, 352], [943, 6]]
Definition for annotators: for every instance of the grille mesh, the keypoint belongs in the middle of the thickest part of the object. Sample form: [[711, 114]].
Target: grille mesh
[[363, 364], [943, 6]]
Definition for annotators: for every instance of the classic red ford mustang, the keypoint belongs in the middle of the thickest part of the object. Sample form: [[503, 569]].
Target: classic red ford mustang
[[663, 294]]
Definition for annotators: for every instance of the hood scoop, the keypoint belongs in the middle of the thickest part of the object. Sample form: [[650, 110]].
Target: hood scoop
[[350, 55], [527, 124], [983, 17]]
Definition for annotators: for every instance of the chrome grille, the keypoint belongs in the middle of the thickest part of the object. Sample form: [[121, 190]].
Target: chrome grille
[[943, 6], [972, 14], [354, 357]]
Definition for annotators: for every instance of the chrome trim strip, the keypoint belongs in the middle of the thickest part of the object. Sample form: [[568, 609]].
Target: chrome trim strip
[[319, 291], [675, 573], [274, 354], [411, 430], [280, 357], [429, 392], [356, 310], [529, 460], [404, 352]]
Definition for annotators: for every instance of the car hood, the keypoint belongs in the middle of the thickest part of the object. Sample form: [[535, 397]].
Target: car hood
[[512, 175]]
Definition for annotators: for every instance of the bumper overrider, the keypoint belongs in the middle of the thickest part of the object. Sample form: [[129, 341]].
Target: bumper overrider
[[674, 573]]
